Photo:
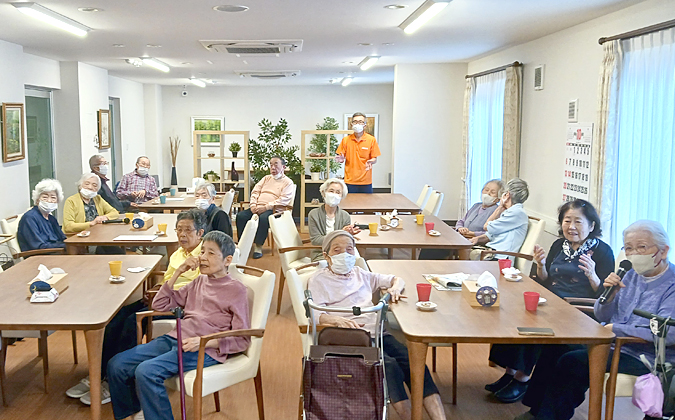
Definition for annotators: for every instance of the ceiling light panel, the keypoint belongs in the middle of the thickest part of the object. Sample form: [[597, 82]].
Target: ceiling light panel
[[52, 18], [346, 81], [198, 82], [230, 8], [155, 63], [422, 15], [368, 62]]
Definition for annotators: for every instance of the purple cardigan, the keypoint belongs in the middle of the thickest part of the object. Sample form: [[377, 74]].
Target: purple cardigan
[[475, 218], [657, 296]]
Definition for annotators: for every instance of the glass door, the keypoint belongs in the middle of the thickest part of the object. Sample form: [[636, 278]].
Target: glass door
[[39, 136]]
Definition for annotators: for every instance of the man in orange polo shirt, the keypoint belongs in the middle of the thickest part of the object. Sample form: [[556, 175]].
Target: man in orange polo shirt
[[360, 151]]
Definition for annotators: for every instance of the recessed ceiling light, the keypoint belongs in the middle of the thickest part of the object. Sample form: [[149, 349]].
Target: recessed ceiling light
[[395, 6], [118, 45], [153, 45], [186, 63], [89, 9], [209, 61], [134, 62], [231, 8], [364, 44], [245, 62], [387, 43], [347, 62]]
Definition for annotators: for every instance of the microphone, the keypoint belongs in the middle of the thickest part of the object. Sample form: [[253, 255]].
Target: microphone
[[624, 267], [125, 221]]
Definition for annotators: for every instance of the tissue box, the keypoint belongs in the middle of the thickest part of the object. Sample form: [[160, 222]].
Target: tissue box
[[148, 223], [58, 282], [469, 289]]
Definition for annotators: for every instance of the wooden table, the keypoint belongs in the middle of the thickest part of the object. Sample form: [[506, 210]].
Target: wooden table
[[88, 304], [455, 321], [103, 235], [411, 235], [370, 203], [175, 204]]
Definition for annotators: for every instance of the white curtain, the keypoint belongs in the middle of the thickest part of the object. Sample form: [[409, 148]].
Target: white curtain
[[485, 133], [643, 143], [464, 193]]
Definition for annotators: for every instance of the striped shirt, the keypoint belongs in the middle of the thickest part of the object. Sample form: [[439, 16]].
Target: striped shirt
[[133, 182]]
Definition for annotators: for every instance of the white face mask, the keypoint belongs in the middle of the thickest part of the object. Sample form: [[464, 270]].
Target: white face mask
[[88, 193], [642, 263], [202, 203], [103, 170], [142, 171], [358, 128], [279, 175], [342, 263], [48, 207], [332, 199], [488, 200]]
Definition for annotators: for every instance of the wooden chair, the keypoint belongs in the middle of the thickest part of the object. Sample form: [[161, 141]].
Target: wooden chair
[[433, 205], [424, 196], [237, 368], [535, 228]]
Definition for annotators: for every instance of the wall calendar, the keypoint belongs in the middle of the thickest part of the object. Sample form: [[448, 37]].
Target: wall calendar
[[577, 172]]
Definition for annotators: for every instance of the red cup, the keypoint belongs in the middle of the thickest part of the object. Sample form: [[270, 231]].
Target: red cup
[[504, 263], [423, 292], [531, 300], [429, 226]]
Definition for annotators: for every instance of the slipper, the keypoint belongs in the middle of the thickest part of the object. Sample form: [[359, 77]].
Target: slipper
[[257, 255]]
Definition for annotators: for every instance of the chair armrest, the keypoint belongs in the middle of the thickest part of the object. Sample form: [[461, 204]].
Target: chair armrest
[[580, 301], [302, 267], [248, 267], [139, 324], [614, 367], [153, 275], [7, 237], [306, 241], [620, 341], [298, 248], [303, 328], [26, 254], [512, 254]]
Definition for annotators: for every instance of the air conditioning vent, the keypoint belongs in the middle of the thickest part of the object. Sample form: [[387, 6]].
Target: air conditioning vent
[[573, 111], [253, 47], [268, 75], [539, 78]]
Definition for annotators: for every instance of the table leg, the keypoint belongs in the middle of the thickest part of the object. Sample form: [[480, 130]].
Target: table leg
[[413, 254], [417, 352], [94, 340], [74, 249], [390, 253], [597, 360], [463, 254]]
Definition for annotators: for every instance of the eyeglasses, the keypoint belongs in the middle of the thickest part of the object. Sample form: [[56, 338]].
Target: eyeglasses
[[640, 249], [186, 231], [140, 165], [358, 123]]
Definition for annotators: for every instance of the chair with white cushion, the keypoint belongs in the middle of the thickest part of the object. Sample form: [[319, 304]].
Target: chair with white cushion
[[228, 199], [433, 205], [246, 241], [239, 367], [424, 196], [524, 257]]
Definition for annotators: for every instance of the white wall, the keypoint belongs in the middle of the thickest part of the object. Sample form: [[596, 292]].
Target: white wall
[[428, 102], [301, 106], [572, 59], [41, 72], [132, 119], [152, 102], [93, 95]]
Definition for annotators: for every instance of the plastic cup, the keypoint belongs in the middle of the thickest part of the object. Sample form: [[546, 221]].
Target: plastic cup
[[420, 219], [423, 292], [162, 199], [162, 227], [115, 268], [504, 263], [129, 216], [531, 300], [373, 228], [429, 226], [172, 191]]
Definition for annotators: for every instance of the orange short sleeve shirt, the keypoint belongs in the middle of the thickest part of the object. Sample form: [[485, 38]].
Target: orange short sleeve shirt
[[356, 154]]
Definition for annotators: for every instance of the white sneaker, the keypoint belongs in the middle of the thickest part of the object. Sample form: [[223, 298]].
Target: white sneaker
[[105, 395], [138, 416], [80, 389]]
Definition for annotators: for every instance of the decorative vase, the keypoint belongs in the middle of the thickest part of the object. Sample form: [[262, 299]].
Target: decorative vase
[[174, 178], [234, 154], [235, 175]]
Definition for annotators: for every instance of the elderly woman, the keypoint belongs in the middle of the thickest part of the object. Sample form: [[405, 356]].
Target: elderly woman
[[473, 222], [343, 284], [329, 216], [120, 333], [214, 302], [506, 227], [38, 229], [86, 208], [205, 199], [575, 264], [560, 379]]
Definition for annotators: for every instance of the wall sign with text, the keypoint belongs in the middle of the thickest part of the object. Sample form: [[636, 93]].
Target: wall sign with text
[[577, 171]]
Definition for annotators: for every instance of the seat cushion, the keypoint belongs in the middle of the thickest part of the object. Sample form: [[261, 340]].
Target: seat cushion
[[220, 376], [624, 384]]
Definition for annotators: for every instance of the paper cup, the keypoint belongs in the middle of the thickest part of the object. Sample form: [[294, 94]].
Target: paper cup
[[429, 226], [423, 292], [115, 268], [531, 300], [504, 263], [420, 219], [162, 199], [162, 227], [373, 228]]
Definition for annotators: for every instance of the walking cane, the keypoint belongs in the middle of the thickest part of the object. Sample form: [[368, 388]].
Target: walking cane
[[178, 312]]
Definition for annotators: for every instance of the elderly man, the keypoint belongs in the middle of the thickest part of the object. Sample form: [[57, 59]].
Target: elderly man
[[138, 186], [358, 151], [275, 192], [217, 218], [99, 165]]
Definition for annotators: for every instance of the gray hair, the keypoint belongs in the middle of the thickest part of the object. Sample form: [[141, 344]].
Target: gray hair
[[95, 161], [224, 242], [142, 157], [500, 185], [85, 177], [654, 228], [325, 185], [359, 114], [210, 188], [47, 185], [325, 245], [198, 218], [518, 190]]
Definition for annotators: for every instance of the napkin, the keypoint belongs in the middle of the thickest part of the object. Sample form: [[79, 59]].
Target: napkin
[[137, 269], [487, 279], [510, 271], [45, 274]]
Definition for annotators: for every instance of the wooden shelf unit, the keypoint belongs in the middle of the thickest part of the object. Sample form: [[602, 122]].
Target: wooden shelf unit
[[244, 178], [304, 155]]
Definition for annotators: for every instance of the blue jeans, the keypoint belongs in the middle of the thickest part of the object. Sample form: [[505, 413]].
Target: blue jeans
[[363, 189], [136, 378], [397, 368]]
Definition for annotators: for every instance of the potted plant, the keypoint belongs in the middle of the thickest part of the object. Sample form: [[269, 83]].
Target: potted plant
[[315, 170], [235, 147], [211, 176], [319, 142]]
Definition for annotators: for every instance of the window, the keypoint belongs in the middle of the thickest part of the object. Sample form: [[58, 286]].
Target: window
[[640, 162], [486, 133], [209, 124]]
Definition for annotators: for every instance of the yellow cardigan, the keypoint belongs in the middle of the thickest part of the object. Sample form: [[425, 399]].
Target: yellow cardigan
[[74, 216]]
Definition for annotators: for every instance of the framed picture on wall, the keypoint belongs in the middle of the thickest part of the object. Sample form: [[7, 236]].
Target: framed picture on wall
[[13, 136], [372, 124], [104, 129]]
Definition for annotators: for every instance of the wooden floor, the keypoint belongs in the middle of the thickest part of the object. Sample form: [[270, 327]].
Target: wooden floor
[[281, 370]]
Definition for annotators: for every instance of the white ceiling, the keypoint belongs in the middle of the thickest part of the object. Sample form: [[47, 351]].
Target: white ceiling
[[331, 31]]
